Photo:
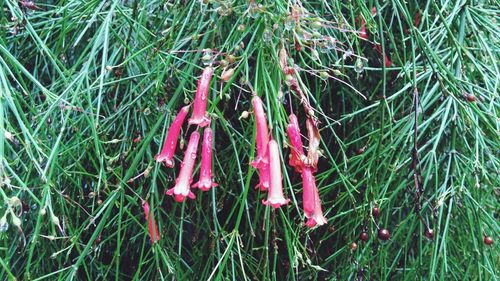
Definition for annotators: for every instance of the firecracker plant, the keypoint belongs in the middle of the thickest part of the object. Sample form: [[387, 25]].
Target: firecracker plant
[[249, 140]]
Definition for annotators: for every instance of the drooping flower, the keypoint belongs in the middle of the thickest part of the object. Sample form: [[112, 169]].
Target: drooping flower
[[310, 199], [205, 182], [314, 141], [262, 132], [387, 61], [167, 152], [261, 161], [363, 33], [417, 19], [182, 188], [152, 227], [200, 101], [275, 196], [296, 149]]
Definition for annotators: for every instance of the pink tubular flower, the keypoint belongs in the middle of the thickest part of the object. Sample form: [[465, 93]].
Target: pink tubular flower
[[152, 227], [182, 188], [263, 169], [261, 162], [262, 132], [205, 182], [296, 149], [200, 101], [310, 199], [363, 33], [275, 196], [167, 153], [387, 61]]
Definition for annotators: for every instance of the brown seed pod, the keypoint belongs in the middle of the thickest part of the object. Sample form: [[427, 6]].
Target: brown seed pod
[[353, 246], [384, 234]]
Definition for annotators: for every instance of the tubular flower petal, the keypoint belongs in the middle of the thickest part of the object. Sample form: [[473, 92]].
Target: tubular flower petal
[[387, 61], [263, 169], [314, 140], [262, 132], [152, 227], [200, 101], [182, 189], [296, 149], [167, 152], [275, 196], [205, 182], [363, 33], [310, 199]]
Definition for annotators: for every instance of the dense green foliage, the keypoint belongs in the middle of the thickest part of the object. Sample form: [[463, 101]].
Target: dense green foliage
[[89, 88]]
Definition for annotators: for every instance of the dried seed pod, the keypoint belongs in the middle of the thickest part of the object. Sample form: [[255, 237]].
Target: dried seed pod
[[227, 74]]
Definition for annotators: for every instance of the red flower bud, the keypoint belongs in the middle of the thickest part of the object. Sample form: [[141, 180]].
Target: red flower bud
[[152, 227], [363, 33]]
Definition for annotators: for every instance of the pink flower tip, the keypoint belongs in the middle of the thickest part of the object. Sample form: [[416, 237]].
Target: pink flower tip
[[167, 153], [205, 182], [201, 98], [182, 188], [275, 196], [363, 33], [316, 220]]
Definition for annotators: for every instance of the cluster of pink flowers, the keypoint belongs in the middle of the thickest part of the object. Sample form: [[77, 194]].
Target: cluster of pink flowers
[[267, 161], [268, 164], [182, 188]]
